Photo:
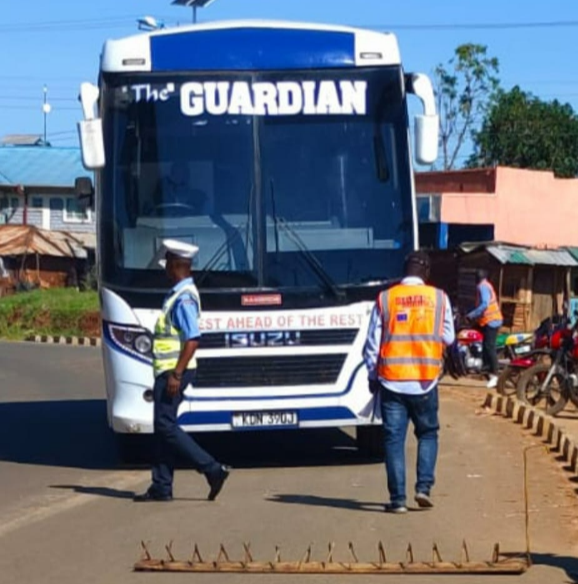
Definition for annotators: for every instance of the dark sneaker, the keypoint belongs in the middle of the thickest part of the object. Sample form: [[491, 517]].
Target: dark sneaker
[[424, 500], [399, 509], [216, 481], [152, 497]]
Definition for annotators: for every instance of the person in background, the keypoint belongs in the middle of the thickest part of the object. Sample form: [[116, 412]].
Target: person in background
[[409, 328], [489, 317], [176, 340]]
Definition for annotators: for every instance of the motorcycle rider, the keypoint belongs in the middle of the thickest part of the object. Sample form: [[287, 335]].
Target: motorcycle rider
[[489, 317]]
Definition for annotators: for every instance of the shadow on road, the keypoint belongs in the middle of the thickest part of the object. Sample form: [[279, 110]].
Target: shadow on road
[[74, 433], [285, 448], [317, 501], [100, 491], [113, 493], [566, 563], [71, 433]]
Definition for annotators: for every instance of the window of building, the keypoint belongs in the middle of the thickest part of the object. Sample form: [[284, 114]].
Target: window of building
[[75, 213], [56, 204], [9, 205], [36, 203]]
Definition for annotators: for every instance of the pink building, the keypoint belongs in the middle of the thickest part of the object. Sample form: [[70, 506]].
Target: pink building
[[524, 207]]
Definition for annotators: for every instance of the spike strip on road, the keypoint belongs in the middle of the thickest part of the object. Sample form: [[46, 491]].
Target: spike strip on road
[[500, 564]]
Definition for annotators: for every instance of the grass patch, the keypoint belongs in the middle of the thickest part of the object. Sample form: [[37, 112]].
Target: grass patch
[[58, 311]]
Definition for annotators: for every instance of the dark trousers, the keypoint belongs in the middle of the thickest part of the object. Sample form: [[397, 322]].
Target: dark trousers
[[397, 410], [170, 440], [489, 346]]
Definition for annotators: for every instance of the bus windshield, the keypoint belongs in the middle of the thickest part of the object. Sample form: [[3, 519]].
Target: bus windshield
[[296, 198]]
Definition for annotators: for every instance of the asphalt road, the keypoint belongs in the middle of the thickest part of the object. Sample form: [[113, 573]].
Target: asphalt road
[[66, 514]]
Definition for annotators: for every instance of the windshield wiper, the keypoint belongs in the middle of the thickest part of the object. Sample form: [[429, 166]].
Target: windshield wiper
[[232, 235], [306, 254], [311, 260]]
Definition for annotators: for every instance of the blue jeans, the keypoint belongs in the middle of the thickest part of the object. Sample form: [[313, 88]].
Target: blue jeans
[[397, 410], [171, 440]]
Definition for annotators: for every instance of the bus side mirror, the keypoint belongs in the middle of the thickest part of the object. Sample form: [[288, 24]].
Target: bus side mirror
[[426, 139], [90, 129], [84, 191], [426, 125]]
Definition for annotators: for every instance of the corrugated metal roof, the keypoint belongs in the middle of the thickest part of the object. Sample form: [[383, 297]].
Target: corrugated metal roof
[[18, 240], [573, 251], [23, 140], [511, 254], [40, 166], [553, 257]]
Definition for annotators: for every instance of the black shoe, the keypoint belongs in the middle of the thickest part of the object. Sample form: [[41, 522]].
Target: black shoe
[[216, 481], [151, 497]]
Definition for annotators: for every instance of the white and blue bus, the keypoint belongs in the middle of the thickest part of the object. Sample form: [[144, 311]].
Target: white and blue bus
[[281, 150]]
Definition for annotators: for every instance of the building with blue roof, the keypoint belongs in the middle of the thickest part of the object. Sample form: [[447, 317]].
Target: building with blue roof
[[37, 188]]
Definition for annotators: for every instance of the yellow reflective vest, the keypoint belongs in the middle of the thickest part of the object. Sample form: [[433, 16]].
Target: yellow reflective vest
[[167, 341]]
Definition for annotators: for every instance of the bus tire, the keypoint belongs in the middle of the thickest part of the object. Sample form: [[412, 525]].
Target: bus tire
[[370, 441], [134, 449]]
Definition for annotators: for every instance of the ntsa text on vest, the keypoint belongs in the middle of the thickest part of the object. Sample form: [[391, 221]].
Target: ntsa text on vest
[[415, 301]]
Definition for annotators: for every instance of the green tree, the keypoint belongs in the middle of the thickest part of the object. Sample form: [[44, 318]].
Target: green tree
[[523, 131], [464, 87]]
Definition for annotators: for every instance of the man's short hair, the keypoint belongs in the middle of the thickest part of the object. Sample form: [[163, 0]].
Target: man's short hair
[[417, 261], [481, 275]]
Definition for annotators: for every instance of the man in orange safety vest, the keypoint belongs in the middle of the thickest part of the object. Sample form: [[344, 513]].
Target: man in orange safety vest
[[410, 325], [489, 317]]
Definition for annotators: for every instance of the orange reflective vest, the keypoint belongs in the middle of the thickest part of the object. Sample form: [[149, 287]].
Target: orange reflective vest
[[412, 327], [492, 312]]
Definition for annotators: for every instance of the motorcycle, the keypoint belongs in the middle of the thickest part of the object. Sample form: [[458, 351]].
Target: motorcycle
[[551, 386], [465, 356], [529, 355]]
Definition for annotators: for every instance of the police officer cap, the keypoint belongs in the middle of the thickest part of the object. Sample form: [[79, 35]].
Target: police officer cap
[[179, 249]]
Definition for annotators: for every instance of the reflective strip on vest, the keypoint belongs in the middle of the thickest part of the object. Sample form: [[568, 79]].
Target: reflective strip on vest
[[492, 312], [412, 333], [167, 341]]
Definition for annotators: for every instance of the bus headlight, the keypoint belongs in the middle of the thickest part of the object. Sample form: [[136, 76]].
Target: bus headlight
[[143, 344], [132, 340]]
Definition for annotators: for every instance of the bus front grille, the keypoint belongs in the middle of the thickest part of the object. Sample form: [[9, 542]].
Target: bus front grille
[[267, 371], [305, 338]]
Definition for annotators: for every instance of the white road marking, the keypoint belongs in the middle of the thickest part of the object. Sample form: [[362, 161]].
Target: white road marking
[[42, 508]]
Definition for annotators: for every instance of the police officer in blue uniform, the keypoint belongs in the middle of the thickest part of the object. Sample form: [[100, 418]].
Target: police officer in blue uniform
[[176, 340]]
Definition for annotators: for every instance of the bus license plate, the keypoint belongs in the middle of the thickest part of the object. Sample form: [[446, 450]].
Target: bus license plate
[[264, 419]]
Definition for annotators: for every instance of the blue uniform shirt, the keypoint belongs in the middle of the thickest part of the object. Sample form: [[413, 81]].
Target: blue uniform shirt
[[485, 296], [373, 342], [185, 312]]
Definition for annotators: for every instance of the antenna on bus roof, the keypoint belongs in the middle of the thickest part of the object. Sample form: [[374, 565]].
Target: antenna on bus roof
[[194, 4]]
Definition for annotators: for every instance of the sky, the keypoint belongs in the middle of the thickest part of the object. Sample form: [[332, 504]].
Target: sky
[[58, 43]]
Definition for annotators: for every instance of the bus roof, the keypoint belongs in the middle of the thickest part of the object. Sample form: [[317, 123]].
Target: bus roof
[[251, 45]]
